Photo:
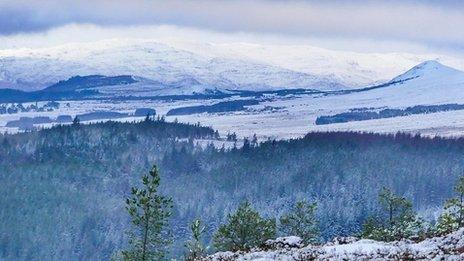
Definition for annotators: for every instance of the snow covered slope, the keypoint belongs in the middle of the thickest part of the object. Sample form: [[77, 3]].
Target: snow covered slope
[[35, 69], [449, 247], [207, 65], [352, 69], [431, 71], [427, 83]]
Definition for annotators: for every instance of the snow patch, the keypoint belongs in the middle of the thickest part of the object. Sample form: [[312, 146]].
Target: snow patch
[[449, 247]]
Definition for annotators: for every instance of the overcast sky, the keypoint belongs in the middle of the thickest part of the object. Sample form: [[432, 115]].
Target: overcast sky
[[406, 24]]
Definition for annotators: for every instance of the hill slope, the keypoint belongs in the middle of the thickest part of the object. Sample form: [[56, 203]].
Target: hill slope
[[35, 69], [232, 65], [429, 82]]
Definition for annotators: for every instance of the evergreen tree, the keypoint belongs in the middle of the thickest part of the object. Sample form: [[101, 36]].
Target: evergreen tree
[[301, 222], [147, 118], [254, 141], [195, 247], [246, 144], [396, 206], [244, 230], [399, 221], [149, 214], [231, 137], [453, 215], [76, 121]]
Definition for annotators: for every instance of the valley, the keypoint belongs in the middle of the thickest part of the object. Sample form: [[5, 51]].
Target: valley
[[231, 130], [275, 114]]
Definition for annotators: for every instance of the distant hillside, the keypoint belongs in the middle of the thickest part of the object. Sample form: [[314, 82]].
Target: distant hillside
[[76, 87], [155, 61], [85, 82], [238, 65]]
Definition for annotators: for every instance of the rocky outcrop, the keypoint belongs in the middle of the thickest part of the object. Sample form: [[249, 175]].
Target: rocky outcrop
[[449, 247]]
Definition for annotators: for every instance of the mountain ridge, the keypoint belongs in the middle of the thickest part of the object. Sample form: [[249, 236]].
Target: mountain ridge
[[154, 61], [232, 65], [418, 79]]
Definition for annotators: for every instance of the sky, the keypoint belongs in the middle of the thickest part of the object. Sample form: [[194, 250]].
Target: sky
[[383, 26]]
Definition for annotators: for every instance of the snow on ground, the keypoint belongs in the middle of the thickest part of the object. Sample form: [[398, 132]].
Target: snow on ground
[[449, 247], [292, 116]]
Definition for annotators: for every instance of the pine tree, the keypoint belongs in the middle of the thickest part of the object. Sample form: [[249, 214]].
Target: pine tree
[[396, 206], [76, 121], [244, 230], [254, 141], [453, 215], [147, 118], [301, 222], [447, 223], [401, 221], [149, 214], [195, 247]]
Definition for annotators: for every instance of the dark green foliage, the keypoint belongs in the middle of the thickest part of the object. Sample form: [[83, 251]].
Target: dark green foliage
[[244, 230], [149, 213], [396, 206], [453, 216], [301, 221], [398, 222], [195, 246]]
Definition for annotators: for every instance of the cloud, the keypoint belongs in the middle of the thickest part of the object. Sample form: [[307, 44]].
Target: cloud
[[425, 22]]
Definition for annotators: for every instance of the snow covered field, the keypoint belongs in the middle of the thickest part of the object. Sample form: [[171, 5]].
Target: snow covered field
[[294, 115]]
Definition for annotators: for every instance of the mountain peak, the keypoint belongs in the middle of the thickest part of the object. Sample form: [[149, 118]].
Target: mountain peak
[[429, 64], [430, 68]]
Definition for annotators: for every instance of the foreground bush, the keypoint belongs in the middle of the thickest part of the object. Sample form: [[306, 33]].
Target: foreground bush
[[398, 222], [301, 222], [453, 216], [244, 230]]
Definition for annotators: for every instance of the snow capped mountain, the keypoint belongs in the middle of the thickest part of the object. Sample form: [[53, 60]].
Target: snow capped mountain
[[429, 82], [352, 69], [428, 70], [432, 76], [34, 69], [187, 66]]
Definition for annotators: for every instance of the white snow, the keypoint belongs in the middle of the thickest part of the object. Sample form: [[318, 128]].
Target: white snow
[[231, 65], [284, 242], [37, 68], [294, 115], [449, 247]]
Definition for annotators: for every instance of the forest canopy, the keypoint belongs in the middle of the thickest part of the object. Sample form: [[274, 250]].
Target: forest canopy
[[63, 188]]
